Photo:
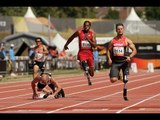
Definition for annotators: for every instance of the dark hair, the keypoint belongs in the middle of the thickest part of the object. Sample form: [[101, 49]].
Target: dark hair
[[119, 24], [87, 22], [38, 38]]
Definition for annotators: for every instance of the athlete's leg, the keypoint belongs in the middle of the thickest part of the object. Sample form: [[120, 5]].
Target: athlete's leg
[[41, 87], [60, 94], [90, 62], [35, 70], [84, 64], [82, 60], [91, 71], [52, 87], [125, 69], [48, 92], [45, 90], [114, 72], [42, 66], [120, 77]]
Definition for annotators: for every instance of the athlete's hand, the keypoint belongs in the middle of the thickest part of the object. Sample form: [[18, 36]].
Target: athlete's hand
[[35, 96], [109, 61], [128, 59], [65, 48], [87, 38]]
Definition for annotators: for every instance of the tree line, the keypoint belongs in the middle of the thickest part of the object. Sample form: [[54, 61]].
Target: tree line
[[151, 13]]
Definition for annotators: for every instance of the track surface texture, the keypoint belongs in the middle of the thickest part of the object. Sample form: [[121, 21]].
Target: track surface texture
[[101, 97]]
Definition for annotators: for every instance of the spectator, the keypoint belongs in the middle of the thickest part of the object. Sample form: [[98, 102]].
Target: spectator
[[96, 59], [54, 54], [31, 52], [2, 47], [12, 58], [1, 54]]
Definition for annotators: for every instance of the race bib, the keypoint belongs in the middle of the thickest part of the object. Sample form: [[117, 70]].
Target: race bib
[[39, 57], [85, 44], [118, 51]]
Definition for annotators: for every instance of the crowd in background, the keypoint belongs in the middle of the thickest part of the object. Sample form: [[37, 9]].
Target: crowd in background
[[9, 56], [58, 60]]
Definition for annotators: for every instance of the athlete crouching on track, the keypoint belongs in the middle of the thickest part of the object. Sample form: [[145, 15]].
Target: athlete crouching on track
[[42, 81]]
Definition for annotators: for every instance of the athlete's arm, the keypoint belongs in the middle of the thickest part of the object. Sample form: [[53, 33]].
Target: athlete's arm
[[74, 35], [109, 48], [132, 47], [93, 41], [56, 84], [45, 50], [33, 85]]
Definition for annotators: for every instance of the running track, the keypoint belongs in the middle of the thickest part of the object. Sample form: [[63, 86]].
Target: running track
[[101, 97]]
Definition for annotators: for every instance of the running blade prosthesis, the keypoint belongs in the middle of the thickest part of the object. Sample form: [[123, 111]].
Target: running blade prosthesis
[[88, 78], [125, 94], [86, 68]]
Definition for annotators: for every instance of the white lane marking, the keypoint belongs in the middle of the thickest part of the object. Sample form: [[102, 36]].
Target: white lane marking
[[70, 106], [151, 109], [66, 106], [100, 109], [15, 90], [69, 88], [62, 84], [15, 96], [138, 103], [10, 86]]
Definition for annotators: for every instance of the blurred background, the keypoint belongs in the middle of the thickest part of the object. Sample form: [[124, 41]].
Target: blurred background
[[21, 25]]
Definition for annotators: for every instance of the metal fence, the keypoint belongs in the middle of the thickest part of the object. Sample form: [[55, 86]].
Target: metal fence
[[22, 65]]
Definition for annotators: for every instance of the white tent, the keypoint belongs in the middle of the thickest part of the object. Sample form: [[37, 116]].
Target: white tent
[[74, 46], [133, 16], [59, 41], [34, 24], [29, 13], [134, 25]]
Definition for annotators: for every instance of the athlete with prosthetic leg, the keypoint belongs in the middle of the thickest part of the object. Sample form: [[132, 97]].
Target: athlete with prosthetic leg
[[119, 57]]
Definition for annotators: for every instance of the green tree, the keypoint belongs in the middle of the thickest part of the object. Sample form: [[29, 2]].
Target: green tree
[[57, 12], [112, 14], [152, 13], [66, 12], [12, 11]]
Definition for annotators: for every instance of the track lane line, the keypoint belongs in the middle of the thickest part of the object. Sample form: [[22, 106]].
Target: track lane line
[[39, 101]]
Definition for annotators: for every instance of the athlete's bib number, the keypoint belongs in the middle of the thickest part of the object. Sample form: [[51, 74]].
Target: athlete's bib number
[[39, 56], [118, 51], [85, 44]]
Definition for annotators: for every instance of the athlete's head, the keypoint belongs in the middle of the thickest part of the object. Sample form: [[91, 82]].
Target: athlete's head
[[38, 40], [119, 28], [86, 25], [44, 78]]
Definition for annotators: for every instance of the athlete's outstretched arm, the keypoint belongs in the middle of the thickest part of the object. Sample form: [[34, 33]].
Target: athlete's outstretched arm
[[74, 35]]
